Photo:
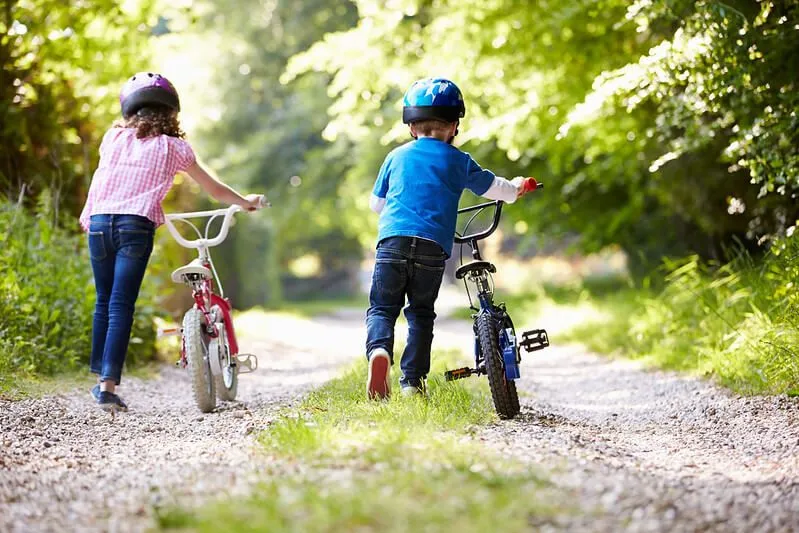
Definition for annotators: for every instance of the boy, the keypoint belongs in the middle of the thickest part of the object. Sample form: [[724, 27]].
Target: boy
[[416, 194]]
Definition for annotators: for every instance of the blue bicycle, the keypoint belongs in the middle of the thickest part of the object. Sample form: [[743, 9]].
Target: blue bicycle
[[496, 347]]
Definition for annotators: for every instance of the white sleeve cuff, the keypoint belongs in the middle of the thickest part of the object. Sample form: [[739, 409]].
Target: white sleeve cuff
[[502, 189], [377, 204]]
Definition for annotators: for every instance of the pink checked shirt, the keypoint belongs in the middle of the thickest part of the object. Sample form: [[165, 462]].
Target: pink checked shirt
[[134, 174]]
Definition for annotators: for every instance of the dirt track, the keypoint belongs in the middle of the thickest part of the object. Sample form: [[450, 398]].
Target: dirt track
[[639, 450]]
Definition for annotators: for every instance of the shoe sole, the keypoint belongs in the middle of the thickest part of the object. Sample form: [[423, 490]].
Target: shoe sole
[[112, 408], [377, 384]]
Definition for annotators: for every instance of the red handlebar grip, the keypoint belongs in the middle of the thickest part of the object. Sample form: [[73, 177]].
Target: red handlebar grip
[[530, 184]]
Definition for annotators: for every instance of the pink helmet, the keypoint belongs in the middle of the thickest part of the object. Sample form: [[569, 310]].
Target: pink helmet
[[147, 89]]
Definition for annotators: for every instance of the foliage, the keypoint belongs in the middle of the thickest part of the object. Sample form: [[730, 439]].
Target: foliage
[[409, 466], [736, 322], [264, 137], [47, 298], [62, 65], [650, 118]]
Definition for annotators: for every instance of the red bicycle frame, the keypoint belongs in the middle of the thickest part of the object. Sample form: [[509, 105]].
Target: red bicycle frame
[[204, 299]]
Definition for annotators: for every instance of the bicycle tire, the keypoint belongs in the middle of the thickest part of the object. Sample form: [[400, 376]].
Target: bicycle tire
[[514, 395], [223, 392], [195, 342], [488, 337]]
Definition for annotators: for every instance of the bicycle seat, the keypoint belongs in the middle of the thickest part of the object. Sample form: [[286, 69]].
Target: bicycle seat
[[473, 266], [195, 267]]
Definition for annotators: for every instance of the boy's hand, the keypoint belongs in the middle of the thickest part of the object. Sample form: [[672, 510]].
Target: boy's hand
[[518, 182], [524, 185]]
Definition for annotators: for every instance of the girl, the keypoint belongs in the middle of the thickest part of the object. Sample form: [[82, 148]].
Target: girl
[[139, 157]]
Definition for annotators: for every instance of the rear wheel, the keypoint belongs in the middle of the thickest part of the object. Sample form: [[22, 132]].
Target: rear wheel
[[196, 343], [503, 391]]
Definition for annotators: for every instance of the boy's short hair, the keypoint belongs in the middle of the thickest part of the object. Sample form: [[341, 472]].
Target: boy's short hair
[[430, 126]]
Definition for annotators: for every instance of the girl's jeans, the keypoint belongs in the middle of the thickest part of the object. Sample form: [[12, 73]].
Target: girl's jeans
[[412, 267], [119, 246]]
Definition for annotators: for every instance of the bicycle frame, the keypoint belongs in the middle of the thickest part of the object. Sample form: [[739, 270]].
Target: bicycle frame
[[205, 299], [480, 275]]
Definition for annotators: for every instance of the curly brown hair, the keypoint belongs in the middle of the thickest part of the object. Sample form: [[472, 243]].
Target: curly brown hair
[[152, 121]]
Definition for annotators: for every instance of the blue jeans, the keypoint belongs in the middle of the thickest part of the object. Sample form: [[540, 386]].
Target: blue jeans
[[412, 267], [119, 246]]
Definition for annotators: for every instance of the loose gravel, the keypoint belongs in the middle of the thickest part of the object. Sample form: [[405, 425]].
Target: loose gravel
[[66, 466], [652, 451], [636, 450]]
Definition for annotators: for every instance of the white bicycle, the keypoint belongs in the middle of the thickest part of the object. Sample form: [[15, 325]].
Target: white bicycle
[[209, 348]]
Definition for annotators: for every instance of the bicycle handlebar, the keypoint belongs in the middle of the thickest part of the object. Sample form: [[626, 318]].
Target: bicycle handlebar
[[530, 184], [228, 212]]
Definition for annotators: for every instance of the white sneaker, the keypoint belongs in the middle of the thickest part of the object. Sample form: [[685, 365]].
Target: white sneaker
[[378, 382], [409, 391]]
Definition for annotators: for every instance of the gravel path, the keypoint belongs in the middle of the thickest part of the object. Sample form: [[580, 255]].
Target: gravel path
[[638, 450], [59, 452], [654, 451]]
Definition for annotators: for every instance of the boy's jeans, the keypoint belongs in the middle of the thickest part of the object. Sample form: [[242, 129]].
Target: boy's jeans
[[413, 267], [120, 246]]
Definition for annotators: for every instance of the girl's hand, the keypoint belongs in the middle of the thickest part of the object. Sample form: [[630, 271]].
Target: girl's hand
[[253, 202]]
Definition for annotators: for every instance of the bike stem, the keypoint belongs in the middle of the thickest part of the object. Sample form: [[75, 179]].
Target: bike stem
[[475, 251]]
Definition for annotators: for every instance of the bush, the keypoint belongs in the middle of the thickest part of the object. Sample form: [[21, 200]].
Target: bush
[[47, 298], [736, 322]]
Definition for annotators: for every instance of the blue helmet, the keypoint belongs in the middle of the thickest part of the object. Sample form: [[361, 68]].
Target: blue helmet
[[433, 98]]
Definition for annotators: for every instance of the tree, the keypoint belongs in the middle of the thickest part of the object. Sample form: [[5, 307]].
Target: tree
[[62, 64], [263, 136], [649, 120]]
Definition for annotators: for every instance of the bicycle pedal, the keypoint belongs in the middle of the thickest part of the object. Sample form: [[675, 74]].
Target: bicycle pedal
[[174, 331], [247, 363], [459, 373], [534, 340]]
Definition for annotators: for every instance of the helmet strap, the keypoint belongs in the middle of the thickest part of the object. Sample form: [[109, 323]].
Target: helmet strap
[[456, 133]]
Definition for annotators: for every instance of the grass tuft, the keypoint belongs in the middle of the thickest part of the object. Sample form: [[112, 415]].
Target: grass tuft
[[344, 463]]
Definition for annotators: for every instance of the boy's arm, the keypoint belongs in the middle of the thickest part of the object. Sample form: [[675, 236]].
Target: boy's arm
[[378, 200], [376, 203], [484, 183], [506, 190]]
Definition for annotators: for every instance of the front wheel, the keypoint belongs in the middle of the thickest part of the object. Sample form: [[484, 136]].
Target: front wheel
[[514, 395], [195, 342], [227, 382], [503, 391]]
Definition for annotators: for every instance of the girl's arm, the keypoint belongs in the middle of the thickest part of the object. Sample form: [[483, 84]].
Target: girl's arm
[[219, 190]]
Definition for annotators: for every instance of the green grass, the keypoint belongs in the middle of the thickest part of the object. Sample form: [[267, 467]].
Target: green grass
[[342, 463], [735, 323], [532, 302]]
